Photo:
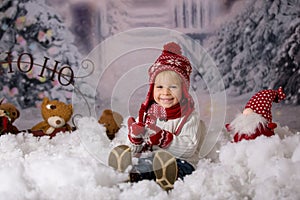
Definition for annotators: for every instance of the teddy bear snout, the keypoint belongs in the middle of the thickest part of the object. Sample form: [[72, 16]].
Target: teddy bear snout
[[56, 121]]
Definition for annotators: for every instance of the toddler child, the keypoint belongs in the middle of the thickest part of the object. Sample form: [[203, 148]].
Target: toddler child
[[167, 125]]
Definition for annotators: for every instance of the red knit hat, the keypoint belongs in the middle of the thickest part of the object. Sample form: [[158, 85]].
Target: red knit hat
[[261, 102], [170, 59]]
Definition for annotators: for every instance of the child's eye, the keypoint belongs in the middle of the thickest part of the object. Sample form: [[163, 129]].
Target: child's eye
[[173, 87], [159, 86]]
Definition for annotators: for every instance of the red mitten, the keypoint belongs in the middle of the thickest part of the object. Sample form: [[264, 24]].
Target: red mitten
[[162, 139], [136, 131]]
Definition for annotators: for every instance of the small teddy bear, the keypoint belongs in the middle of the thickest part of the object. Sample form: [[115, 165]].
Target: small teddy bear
[[8, 114], [112, 122], [56, 114]]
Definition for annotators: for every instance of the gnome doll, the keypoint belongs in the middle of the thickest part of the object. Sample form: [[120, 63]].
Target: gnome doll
[[256, 119]]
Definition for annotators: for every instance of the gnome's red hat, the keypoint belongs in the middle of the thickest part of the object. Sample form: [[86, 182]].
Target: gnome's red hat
[[261, 102], [171, 59]]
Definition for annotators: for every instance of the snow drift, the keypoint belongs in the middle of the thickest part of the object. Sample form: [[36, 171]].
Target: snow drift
[[73, 166]]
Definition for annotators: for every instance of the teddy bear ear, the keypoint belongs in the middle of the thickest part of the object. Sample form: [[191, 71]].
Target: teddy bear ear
[[1, 101], [45, 100], [18, 113]]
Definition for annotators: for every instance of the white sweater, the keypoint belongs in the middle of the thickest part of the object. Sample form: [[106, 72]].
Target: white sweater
[[187, 144]]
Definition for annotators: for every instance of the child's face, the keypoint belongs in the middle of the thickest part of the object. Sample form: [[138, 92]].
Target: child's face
[[167, 90]]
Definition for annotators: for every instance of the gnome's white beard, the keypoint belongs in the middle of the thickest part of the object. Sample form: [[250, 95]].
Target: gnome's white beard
[[247, 124]]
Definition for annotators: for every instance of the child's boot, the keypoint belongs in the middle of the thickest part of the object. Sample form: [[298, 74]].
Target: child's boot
[[120, 158], [165, 169]]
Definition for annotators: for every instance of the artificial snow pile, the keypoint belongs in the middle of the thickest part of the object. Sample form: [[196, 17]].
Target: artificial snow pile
[[73, 166]]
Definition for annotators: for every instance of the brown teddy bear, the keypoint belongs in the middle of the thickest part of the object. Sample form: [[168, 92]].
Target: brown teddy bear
[[56, 114], [8, 114], [111, 121]]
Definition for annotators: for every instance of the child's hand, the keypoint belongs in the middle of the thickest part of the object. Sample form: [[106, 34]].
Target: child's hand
[[136, 131], [162, 139]]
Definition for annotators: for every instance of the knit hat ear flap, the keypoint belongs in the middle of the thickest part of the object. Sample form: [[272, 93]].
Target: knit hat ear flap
[[185, 93], [146, 103]]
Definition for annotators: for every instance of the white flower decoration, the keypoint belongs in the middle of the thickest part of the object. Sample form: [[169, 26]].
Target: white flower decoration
[[174, 62]]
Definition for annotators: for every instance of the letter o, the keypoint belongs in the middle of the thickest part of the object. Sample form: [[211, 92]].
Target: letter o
[[61, 75]]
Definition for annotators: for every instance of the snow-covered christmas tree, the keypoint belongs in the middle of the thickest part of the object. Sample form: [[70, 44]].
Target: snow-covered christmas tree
[[260, 49], [32, 27]]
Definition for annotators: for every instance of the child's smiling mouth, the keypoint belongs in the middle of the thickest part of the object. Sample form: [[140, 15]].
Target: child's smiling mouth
[[166, 100]]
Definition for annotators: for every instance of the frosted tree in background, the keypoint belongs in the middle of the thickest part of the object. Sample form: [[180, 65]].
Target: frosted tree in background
[[30, 26], [260, 49]]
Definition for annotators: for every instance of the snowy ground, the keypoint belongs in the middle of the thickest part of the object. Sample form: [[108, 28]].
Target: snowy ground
[[74, 166]]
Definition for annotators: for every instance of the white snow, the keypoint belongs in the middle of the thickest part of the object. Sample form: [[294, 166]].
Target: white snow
[[74, 166]]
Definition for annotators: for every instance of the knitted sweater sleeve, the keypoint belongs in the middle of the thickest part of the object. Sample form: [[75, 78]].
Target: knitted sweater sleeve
[[185, 145]]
